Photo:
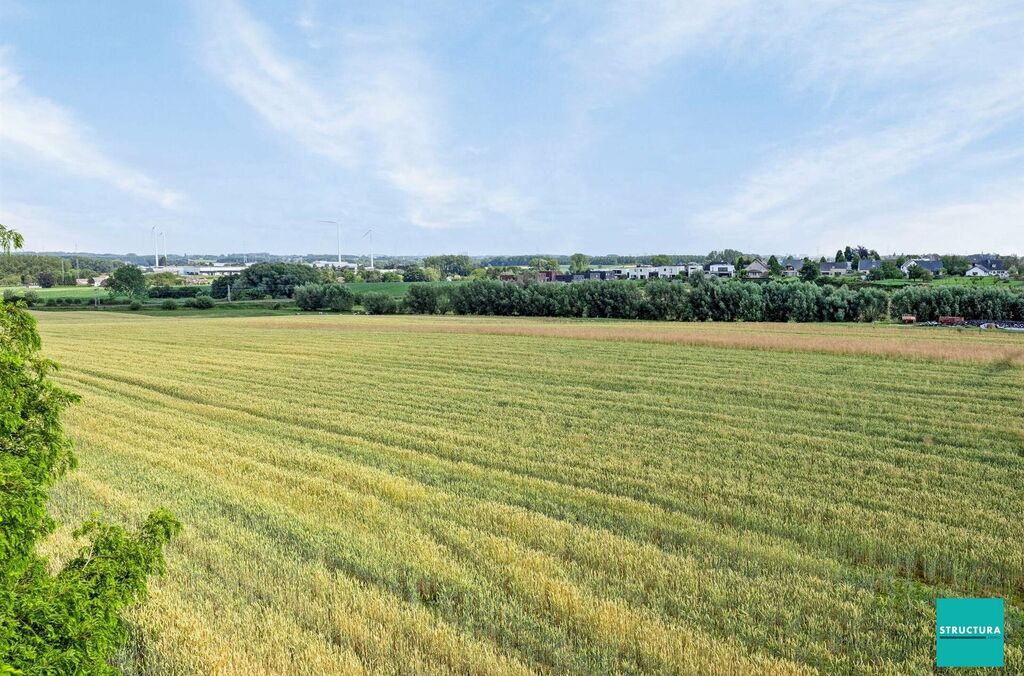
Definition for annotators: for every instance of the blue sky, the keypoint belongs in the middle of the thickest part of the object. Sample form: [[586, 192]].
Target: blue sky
[[623, 126]]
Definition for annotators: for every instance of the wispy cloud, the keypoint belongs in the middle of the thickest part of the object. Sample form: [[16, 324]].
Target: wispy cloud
[[919, 87], [380, 113], [53, 134]]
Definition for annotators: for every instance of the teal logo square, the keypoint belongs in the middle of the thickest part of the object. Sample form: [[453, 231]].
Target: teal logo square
[[969, 632]]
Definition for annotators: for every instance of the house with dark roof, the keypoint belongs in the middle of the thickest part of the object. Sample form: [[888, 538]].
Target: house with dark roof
[[791, 266], [985, 271], [932, 266], [866, 265], [977, 271], [836, 269]]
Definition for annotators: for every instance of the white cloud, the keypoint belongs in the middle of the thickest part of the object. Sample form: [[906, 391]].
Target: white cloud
[[52, 134], [383, 115], [921, 90]]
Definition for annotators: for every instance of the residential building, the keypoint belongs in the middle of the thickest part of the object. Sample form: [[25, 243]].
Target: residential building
[[984, 271], [831, 269], [932, 266], [757, 270], [866, 265], [791, 266], [720, 269], [655, 272], [96, 281]]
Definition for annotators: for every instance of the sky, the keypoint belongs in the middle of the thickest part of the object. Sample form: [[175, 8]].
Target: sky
[[625, 126]]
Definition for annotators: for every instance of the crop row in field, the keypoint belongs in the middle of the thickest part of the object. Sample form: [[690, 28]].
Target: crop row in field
[[485, 495]]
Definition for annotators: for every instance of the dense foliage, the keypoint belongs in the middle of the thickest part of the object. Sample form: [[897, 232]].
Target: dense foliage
[[127, 280], [335, 297], [449, 264], [18, 269], [274, 280], [68, 622], [711, 299], [163, 291], [376, 303]]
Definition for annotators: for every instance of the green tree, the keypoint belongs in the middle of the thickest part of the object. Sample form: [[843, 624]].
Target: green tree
[[886, 270], [810, 270], [848, 254], [449, 264], [414, 273], [67, 621], [579, 263], [541, 263], [661, 260], [956, 266], [10, 239], [840, 256], [917, 272], [46, 279], [277, 280], [774, 267], [129, 281], [379, 303]]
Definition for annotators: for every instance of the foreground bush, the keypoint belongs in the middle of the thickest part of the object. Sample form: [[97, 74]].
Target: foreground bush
[[68, 621]]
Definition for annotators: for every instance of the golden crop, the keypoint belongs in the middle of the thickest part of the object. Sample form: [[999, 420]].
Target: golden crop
[[474, 495]]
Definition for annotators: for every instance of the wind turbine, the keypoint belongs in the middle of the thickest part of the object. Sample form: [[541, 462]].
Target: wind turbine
[[156, 249], [370, 233], [337, 223], [163, 238]]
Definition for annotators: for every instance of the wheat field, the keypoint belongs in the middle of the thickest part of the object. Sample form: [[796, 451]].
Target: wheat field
[[489, 496]]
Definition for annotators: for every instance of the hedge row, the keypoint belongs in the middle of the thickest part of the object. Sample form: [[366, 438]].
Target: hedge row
[[710, 299]]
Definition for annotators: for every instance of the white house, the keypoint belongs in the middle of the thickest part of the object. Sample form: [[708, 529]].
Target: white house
[[977, 271], [720, 269], [694, 268], [655, 272]]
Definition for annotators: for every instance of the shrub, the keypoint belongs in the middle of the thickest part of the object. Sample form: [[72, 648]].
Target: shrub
[[31, 298], [424, 299], [169, 304], [135, 306], [202, 302], [379, 303], [309, 296], [174, 292], [338, 298]]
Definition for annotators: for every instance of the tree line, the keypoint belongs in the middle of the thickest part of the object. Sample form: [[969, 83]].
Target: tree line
[[710, 299]]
